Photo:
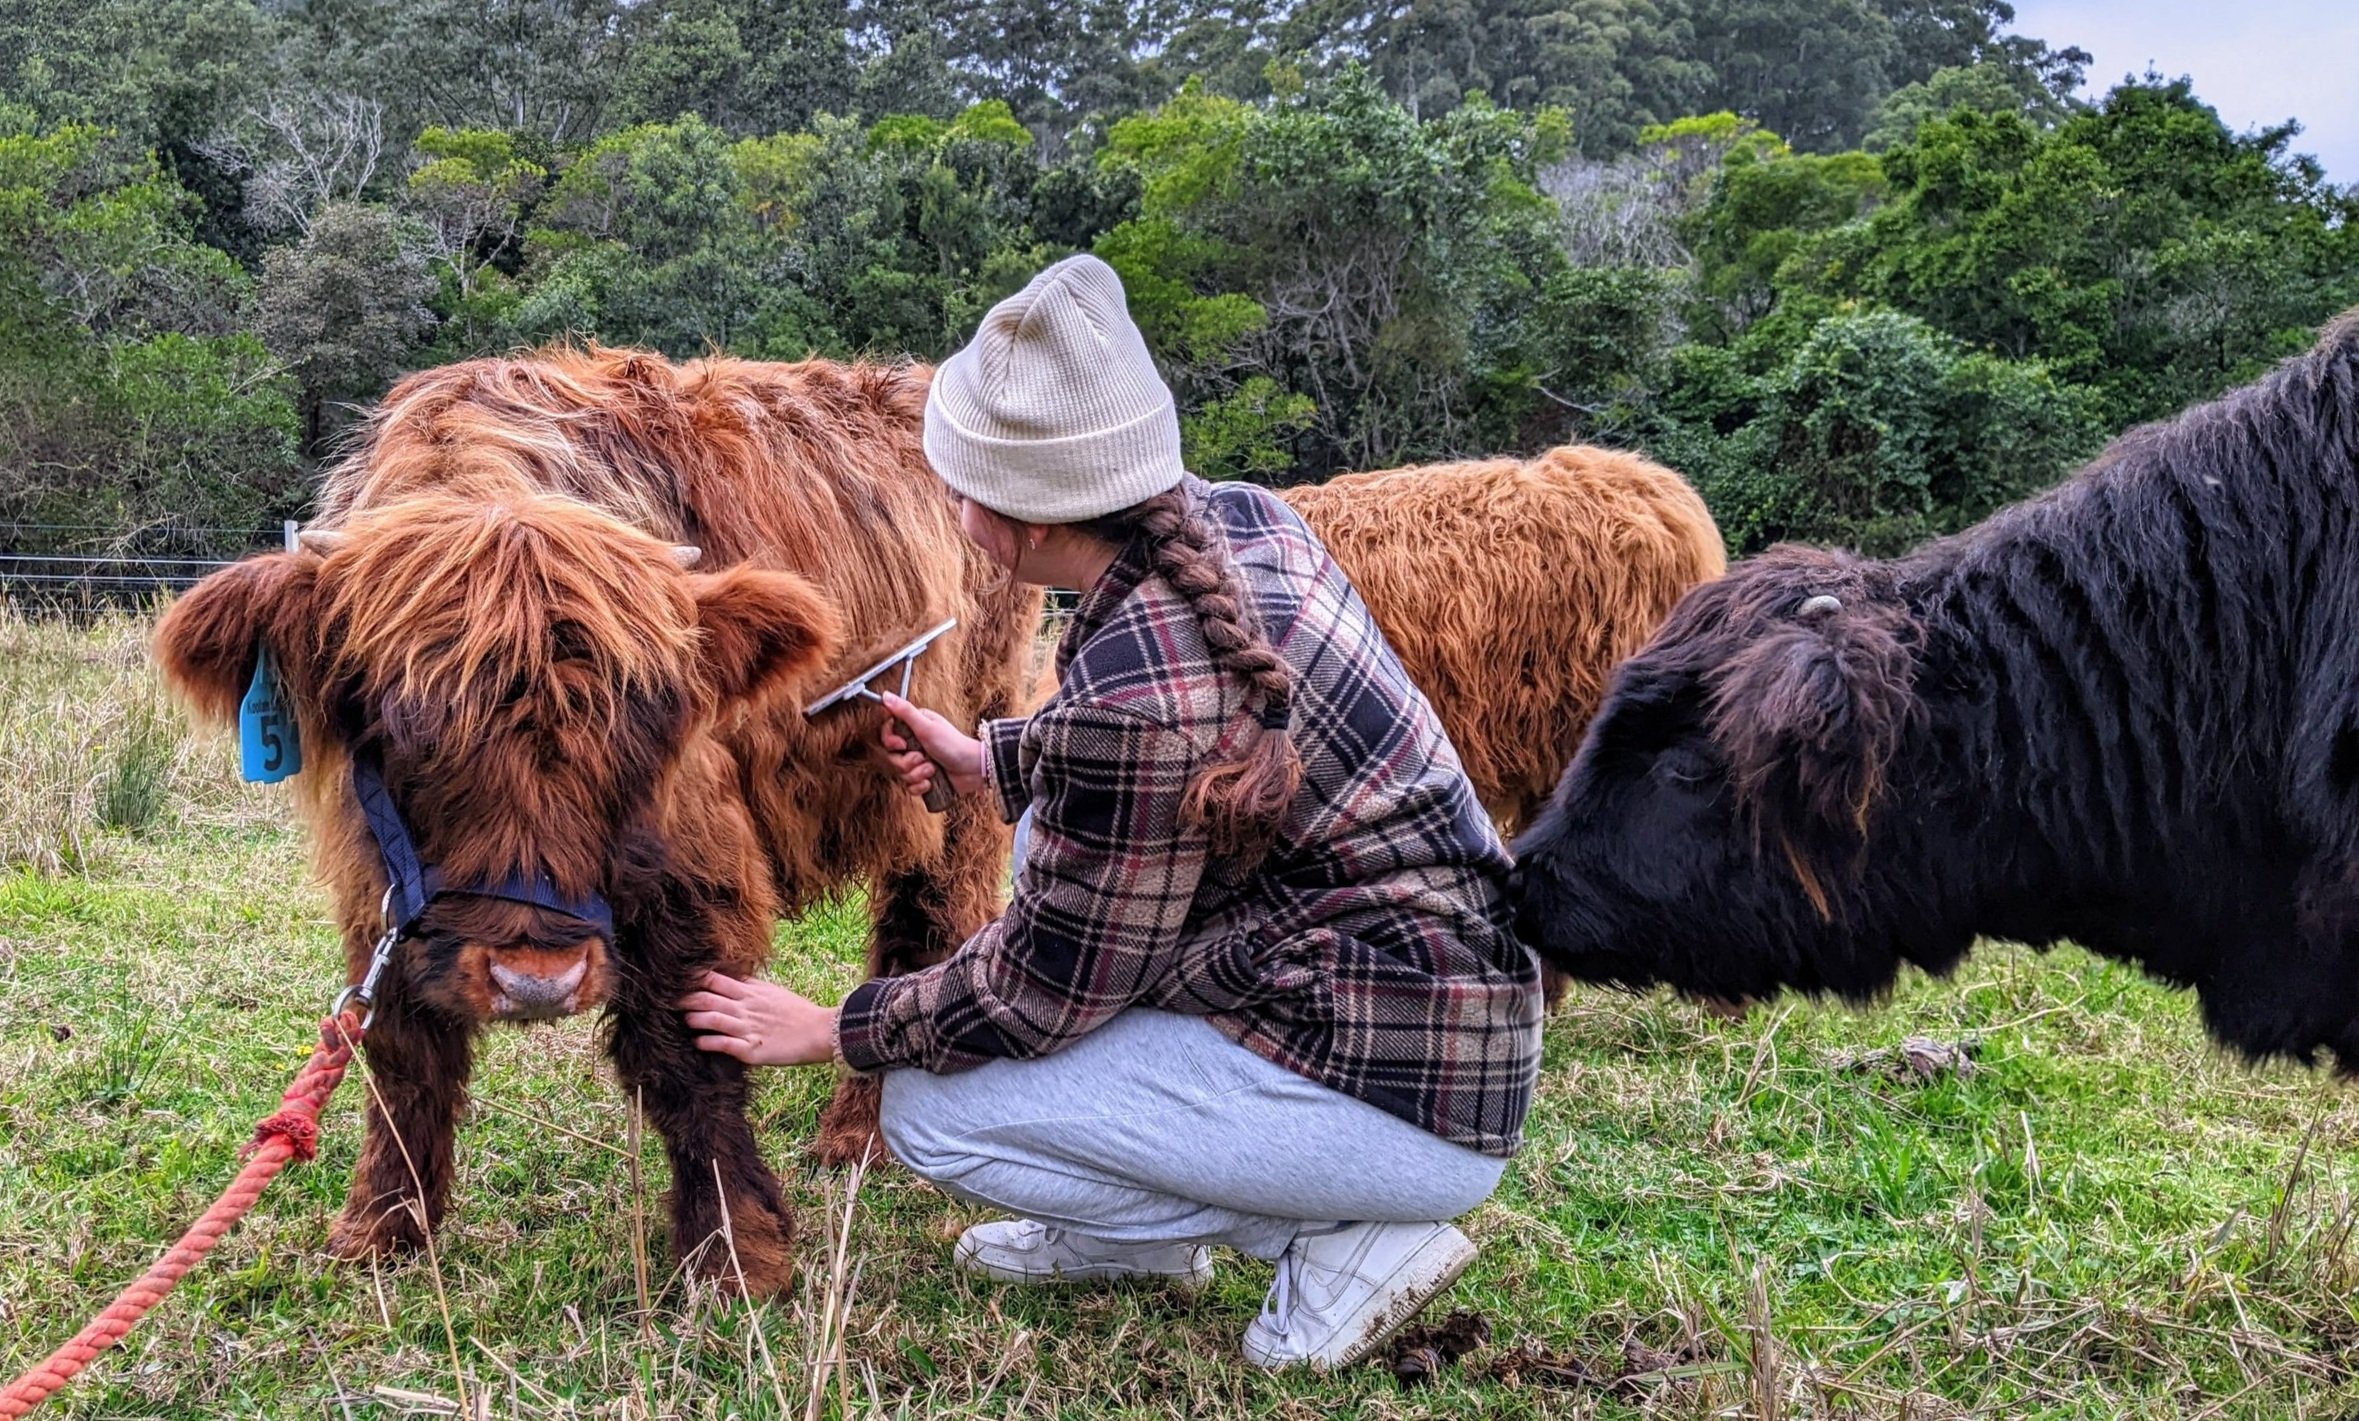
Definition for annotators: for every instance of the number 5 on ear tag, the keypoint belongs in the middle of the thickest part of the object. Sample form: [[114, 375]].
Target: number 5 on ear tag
[[268, 750]]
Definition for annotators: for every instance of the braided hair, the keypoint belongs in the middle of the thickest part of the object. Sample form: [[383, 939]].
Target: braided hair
[[1238, 802]]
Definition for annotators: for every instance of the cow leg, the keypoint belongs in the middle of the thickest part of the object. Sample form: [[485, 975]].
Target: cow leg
[[417, 1065], [911, 931], [920, 917], [730, 1220]]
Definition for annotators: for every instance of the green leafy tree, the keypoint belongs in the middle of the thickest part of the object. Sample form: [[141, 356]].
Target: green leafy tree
[[905, 58], [1394, 271], [1231, 48], [1817, 70], [1765, 206], [343, 309], [470, 196], [128, 394], [1051, 64], [538, 69], [905, 232], [1875, 431], [1982, 88], [2140, 247], [647, 224], [1614, 65], [750, 67]]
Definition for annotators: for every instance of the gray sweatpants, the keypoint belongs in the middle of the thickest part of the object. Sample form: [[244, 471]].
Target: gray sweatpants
[[1155, 1128]]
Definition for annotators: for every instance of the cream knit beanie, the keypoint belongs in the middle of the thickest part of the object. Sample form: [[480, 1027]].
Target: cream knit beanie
[[1054, 412]]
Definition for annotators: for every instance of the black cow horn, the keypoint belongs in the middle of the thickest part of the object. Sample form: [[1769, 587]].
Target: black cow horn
[[1820, 605]]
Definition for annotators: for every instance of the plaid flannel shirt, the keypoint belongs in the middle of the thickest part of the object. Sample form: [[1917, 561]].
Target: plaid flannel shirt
[[1369, 951]]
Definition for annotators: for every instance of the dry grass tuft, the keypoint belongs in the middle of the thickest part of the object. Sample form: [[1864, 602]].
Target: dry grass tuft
[[94, 749]]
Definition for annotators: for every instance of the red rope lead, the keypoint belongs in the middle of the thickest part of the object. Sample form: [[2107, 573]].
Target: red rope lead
[[290, 1134]]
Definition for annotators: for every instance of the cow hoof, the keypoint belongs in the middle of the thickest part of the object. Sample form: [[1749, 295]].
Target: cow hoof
[[358, 1237], [848, 1126], [754, 1260]]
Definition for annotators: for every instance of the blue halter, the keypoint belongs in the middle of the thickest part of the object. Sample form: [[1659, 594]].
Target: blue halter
[[416, 883]]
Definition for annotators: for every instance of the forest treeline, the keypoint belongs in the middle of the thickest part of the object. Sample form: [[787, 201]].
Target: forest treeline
[[1862, 269]]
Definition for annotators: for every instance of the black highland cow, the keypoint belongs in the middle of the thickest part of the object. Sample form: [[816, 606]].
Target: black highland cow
[[2125, 713]]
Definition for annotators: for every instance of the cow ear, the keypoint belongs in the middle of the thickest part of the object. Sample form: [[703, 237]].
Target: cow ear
[[1811, 712], [762, 629], [207, 640]]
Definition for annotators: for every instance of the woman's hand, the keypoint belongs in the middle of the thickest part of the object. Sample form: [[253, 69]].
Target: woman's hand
[[940, 746], [760, 1023]]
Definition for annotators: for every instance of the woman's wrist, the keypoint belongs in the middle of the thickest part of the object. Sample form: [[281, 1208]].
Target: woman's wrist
[[835, 1039]]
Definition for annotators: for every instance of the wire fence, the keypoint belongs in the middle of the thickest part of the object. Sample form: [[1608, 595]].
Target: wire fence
[[70, 567]]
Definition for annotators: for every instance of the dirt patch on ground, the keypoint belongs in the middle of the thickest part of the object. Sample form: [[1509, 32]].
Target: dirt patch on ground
[[1421, 1355], [1918, 1058]]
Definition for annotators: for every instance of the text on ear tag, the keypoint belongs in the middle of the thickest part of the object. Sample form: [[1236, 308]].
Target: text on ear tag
[[268, 749]]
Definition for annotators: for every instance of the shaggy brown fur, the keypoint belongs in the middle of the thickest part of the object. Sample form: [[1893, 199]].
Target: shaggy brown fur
[[499, 616], [1511, 589]]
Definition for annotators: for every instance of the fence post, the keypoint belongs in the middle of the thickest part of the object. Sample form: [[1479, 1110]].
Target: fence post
[[288, 528]]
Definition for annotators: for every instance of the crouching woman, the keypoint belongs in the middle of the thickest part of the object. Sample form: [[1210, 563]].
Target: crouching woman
[[1256, 985]]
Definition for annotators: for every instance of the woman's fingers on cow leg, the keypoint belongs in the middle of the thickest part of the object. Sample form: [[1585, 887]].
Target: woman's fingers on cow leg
[[712, 1001], [721, 984], [736, 1046], [721, 1021]]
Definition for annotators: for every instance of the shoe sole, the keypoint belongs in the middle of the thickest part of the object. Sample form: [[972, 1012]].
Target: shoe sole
[[1403, 1310], [1190, 1282]]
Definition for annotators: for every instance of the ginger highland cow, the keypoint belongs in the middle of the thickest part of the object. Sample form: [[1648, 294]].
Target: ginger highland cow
[[1511, 588], [497, 611]]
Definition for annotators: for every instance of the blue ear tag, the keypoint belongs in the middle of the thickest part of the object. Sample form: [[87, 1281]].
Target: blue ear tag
[[268, 750]]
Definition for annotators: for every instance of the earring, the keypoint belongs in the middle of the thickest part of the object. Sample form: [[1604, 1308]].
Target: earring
[[1035, 542]]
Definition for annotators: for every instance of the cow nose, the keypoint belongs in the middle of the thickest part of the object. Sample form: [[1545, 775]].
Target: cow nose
[[533, 994]]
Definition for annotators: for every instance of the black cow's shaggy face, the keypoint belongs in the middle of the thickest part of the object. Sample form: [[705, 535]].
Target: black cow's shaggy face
[[1716, 829], [2120, 715]]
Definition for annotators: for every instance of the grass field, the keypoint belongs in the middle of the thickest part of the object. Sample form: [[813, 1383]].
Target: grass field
[[2104, 1218]]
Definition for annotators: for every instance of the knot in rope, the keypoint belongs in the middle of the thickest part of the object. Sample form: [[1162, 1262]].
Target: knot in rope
[[300, 1131]]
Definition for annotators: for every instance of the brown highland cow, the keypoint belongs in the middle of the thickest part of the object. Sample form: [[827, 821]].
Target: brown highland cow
[[492, 613], [1511, 588]]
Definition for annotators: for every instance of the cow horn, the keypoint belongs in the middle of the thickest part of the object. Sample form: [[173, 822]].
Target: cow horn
[[686, 554], [1820, 605], [321, 542]]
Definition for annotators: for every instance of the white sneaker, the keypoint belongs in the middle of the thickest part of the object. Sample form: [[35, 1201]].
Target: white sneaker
[[1343, 1291], [1027, 1251]]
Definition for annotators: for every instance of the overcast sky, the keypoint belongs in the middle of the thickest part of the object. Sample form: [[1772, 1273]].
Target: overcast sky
[[2256, 61]]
